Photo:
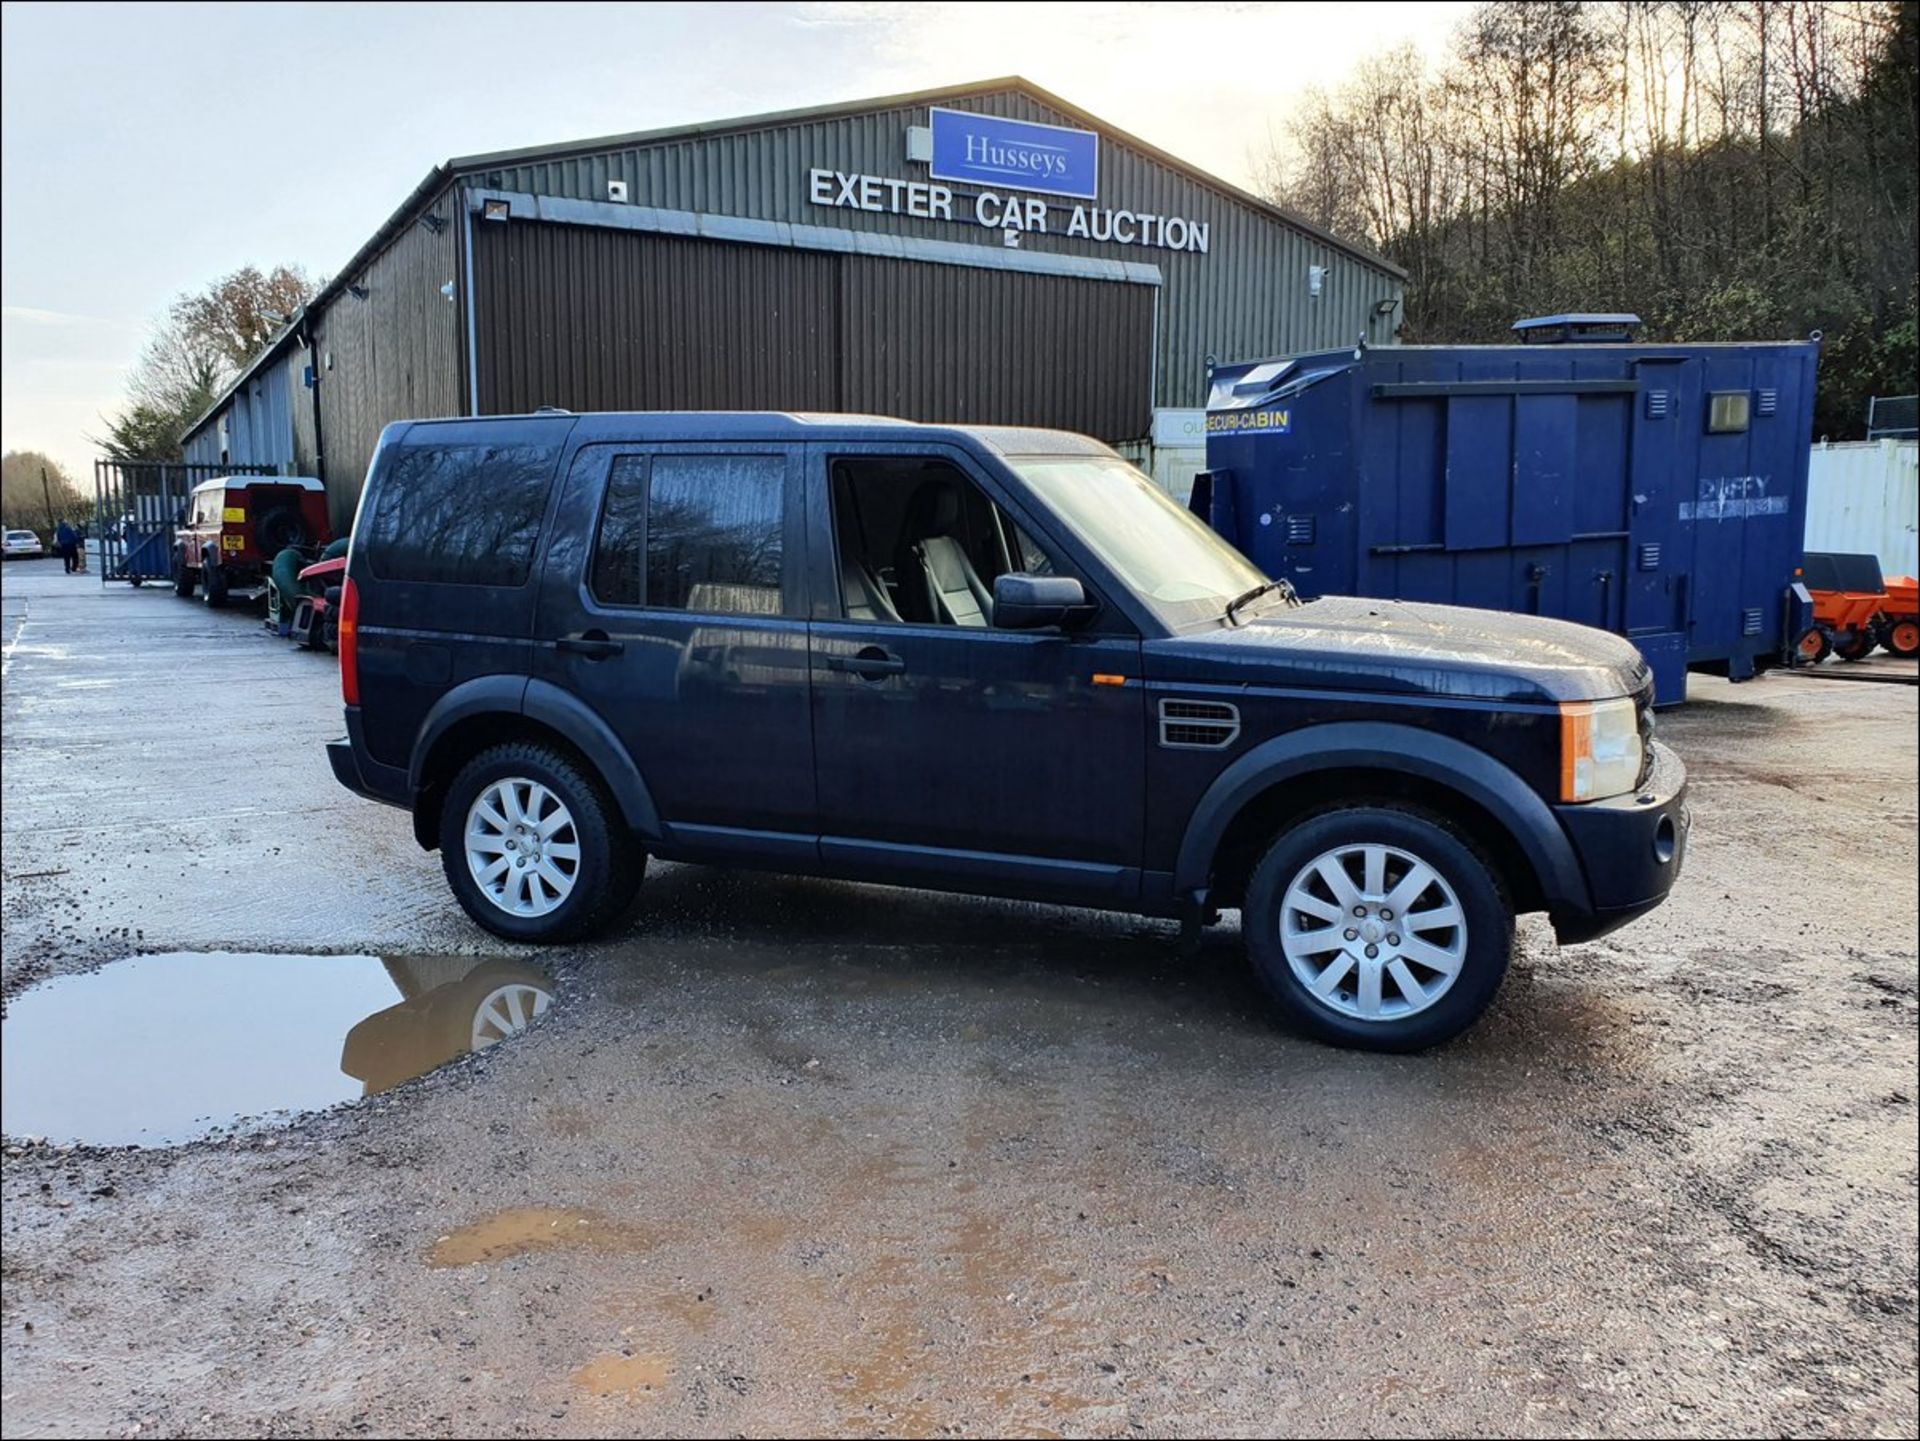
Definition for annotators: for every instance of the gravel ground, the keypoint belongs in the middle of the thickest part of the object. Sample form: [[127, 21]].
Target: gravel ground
[[794, 1157]]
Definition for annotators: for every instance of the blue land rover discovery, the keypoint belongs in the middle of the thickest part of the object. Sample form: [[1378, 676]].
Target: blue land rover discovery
[[975, 659]]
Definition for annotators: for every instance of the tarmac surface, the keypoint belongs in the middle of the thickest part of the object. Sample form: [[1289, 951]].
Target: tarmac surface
[[797, 1157]]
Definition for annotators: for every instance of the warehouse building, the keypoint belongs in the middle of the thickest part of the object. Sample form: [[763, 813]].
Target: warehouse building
[[985, 252]]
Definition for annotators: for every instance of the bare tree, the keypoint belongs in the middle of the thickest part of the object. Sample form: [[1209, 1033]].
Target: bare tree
[[1726, 168], [29, 502], [199, 346]]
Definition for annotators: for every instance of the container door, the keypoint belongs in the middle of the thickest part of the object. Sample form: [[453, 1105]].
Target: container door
[[1664, 455], [1740, 504]]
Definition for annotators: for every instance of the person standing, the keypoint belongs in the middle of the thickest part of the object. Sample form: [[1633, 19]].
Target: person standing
[[66, 544]]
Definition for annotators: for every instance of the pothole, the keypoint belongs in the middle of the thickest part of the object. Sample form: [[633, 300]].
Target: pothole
[[163, 1049]]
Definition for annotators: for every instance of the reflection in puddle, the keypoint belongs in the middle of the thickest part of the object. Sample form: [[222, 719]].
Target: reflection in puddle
[[163, 1049]]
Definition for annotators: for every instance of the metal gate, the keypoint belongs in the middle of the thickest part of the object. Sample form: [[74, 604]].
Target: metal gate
[[137, 504]]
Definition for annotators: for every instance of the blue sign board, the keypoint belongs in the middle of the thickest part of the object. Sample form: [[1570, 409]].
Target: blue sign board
[[1014, 154]]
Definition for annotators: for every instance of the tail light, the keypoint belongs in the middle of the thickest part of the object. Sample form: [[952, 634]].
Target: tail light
[[350, 642]]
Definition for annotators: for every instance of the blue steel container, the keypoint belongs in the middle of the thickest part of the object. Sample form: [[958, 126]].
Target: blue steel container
[[1656, 491]]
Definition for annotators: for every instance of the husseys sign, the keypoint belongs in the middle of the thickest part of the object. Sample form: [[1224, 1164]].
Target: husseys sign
[[1001, 155], [987, 150]]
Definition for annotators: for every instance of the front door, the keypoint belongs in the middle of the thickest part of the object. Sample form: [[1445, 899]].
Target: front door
[[670, 604], [946, 750]]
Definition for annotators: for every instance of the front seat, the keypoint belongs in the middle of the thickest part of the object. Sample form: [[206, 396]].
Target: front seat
[[936, 564], [863, 594]]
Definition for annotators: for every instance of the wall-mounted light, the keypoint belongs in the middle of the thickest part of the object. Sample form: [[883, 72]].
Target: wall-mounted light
[[358, 292], [496, 210], [433, 223], [1387, 306]]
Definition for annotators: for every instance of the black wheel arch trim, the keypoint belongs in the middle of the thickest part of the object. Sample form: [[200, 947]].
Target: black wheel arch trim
[[556, 709], [1368, 745]]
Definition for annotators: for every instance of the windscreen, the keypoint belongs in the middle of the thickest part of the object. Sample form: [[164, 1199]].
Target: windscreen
[[1182, 570]]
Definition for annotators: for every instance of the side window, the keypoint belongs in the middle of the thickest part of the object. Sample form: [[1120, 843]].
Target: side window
[[692, 532], [920, 543], [618, 576], [460, 514], [1028, 556]]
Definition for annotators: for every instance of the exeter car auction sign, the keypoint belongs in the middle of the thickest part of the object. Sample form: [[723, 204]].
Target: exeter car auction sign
[[988, 150]]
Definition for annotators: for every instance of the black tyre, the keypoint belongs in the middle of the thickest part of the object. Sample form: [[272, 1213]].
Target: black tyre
[[213, 583], [1854, 644], [1903, 636], [534, 846], [1378, 927], [183, 579], [279, 528], [1814, 646]]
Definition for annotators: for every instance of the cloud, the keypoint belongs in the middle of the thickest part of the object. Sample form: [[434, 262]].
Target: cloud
[[30, 315]]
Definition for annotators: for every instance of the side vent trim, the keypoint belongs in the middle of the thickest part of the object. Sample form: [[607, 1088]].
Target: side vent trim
[[1198, 725]]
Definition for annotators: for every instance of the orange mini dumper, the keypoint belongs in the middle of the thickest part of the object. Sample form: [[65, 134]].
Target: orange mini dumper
[[1900, 619], [1854, 609]]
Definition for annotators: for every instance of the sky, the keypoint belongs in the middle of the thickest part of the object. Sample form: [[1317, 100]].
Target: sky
[[147, 148]]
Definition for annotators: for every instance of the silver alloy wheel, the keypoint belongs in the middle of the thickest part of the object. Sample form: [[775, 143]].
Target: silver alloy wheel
[[1373, 932], [506, 1012], [522, 847]]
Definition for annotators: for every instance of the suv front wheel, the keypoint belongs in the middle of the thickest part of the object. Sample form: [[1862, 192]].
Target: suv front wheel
[[1377, 927], [533, 846]]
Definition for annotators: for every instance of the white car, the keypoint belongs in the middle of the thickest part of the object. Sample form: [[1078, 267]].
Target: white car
[[21, 542]]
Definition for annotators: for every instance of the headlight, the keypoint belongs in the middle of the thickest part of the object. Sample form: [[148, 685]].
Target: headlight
[[1600, 749]]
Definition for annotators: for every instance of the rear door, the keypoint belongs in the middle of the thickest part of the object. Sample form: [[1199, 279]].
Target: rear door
[[444, 565], [671, 605]]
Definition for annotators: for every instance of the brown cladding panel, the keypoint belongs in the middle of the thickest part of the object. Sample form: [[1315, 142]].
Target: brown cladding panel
[[395, 354], [591, 319], [994, 347], [1248, 296]]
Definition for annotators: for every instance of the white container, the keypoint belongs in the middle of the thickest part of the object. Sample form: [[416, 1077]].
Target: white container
[[1863, 497]]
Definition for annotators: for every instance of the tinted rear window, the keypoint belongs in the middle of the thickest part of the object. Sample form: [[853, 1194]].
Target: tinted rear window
[[460, 514], [702, 532]]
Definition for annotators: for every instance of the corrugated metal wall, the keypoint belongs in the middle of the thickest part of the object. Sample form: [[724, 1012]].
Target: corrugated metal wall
[[1863, 497], [806, 328], [593, 319], [1247, 297], [255, 427], [397, 354]]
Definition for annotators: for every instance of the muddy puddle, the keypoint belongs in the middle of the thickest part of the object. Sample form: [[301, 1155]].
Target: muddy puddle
[[162, 1049]]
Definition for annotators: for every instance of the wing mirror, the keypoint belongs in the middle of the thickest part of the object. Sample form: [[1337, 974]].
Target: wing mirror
[[1034, 602]]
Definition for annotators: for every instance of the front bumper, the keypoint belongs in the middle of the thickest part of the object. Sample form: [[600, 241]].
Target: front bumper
[[1631, 849]]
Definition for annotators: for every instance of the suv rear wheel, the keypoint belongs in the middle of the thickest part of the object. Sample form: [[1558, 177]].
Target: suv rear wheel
[[183, 579], [533, 847], [1377, 927]]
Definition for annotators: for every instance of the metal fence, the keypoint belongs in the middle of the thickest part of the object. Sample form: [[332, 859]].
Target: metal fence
[[1893, 417], [137, 504]]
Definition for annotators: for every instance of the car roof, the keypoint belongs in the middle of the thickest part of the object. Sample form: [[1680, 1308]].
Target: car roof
[[790, 425], [231, 482]]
